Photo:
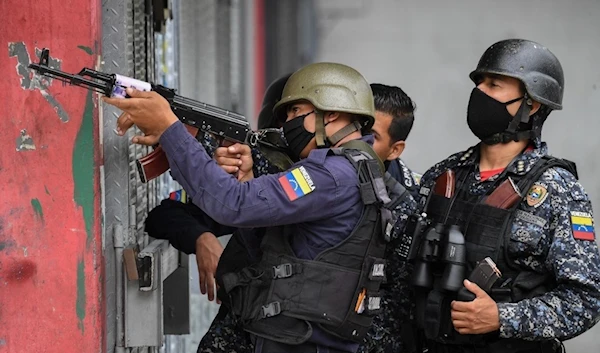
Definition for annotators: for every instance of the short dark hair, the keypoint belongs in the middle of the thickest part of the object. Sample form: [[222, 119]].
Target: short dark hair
[[393, 101]]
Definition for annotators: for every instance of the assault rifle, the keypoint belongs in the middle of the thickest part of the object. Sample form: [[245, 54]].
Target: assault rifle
[[228, 127]]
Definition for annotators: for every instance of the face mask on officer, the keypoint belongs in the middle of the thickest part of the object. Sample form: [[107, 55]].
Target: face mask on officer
[[296, 134], [486, 116]]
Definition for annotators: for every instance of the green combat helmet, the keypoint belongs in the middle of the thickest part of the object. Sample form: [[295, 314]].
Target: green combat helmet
[[330, 87]]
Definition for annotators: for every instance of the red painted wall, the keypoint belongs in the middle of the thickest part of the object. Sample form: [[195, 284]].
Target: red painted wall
[[51, 266]]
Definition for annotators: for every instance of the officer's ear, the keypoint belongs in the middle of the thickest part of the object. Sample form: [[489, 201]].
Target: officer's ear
[[396, 150], [331, 117], [534, 107]]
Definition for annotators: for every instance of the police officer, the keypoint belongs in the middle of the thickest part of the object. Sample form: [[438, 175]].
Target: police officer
[[182, 224], [313, 209], [189, 230], [508, 200], [393, 122], [394, 118]]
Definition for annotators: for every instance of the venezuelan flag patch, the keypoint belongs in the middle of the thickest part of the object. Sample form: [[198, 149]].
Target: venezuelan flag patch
[[583, 225], [297, 183], [179, 195]]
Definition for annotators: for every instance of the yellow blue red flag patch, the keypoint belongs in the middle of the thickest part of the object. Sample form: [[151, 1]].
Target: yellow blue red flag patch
[[297, 183], [179, 195], [583, 225]]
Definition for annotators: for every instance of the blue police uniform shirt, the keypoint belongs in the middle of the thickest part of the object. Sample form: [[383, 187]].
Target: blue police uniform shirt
[[546, 237], [324, 214]]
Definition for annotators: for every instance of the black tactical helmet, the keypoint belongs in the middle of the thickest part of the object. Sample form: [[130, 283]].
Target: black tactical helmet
[[266, 118], [531, 63]]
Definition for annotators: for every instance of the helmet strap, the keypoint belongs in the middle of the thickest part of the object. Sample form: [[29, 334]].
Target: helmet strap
[[511, 133], [343, 132], [522, 115], [320, 129]]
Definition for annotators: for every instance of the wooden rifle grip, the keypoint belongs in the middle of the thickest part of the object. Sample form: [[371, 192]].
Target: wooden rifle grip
[[445, 184], [156, 163], [504, 196], [152, 165]]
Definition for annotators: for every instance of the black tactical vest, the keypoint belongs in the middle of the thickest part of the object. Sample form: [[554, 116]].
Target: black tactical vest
[[281, 297], [486, 230]]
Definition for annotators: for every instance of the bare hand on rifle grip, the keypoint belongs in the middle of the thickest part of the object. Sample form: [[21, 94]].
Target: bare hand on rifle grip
[[149, 111], [236, 158]]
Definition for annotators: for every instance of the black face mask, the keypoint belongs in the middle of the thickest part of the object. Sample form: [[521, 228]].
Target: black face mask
[[487, 117], [296, 135]]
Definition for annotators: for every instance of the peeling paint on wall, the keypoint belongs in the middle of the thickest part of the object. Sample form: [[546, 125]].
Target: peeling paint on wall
[[86, 49], [80, 303], [37, 207], [34, 81], [6, 244], [25, 142], [83, 166]]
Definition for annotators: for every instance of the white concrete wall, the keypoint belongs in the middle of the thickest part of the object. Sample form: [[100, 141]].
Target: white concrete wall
[[428, 48]]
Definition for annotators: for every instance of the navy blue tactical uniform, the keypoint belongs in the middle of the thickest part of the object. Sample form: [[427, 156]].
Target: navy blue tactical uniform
[[552, 233]]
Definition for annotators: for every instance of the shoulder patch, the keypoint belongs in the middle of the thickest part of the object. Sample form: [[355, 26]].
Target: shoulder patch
[[408, 180], [297, 183], [179, 195], [583, 225], [536, 195]]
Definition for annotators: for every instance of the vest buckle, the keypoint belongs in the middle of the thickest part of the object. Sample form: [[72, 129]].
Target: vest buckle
[[271, 309], [282, 271]]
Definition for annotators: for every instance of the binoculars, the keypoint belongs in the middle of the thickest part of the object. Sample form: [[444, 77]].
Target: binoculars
[[441, 250]]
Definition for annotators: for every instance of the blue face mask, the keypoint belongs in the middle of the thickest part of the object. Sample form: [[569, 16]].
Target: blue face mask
[[296, 135]]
